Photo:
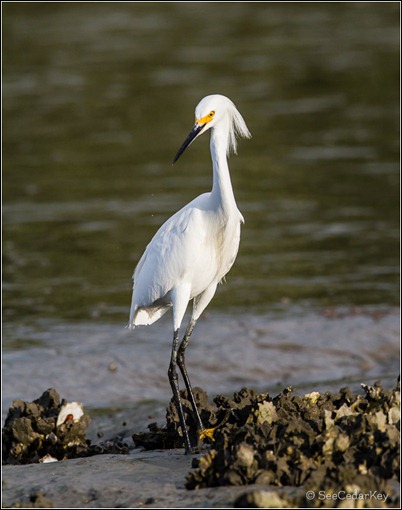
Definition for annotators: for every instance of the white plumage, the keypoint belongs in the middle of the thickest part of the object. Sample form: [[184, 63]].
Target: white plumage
[[195, 248]]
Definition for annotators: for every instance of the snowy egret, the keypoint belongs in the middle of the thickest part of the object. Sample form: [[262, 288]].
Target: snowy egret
[[195, 248]]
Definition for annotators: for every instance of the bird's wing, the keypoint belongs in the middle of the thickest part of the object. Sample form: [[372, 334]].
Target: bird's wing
[[171, 257]]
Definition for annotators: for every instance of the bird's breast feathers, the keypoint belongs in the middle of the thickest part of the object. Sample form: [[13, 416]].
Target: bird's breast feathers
[[196, 246]]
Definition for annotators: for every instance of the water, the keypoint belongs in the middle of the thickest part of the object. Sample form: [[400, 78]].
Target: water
[[98, 97]]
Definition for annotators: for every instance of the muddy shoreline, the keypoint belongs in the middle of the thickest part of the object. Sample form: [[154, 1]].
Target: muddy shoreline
[[321, 450], [149, 479], [141, 479]]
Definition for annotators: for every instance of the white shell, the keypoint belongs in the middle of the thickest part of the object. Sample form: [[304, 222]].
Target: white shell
[[48, 458], [73, 408]]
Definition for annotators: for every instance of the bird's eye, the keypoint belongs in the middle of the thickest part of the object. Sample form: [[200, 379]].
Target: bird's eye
[[211, 114]]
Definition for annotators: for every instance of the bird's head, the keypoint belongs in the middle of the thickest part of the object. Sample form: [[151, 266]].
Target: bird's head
[[212, 111]]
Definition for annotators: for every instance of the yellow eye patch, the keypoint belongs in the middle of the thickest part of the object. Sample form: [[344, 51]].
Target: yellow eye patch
[[206, 118]]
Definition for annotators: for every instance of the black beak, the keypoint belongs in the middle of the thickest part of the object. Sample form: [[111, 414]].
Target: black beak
[[191, 137]]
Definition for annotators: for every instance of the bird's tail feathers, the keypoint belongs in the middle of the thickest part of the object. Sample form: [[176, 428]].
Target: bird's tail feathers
[[146, 316]]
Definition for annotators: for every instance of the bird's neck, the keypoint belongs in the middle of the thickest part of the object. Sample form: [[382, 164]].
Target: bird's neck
[[222, 191]]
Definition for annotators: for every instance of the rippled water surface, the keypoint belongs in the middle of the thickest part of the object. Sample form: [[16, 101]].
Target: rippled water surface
[[97, 98]]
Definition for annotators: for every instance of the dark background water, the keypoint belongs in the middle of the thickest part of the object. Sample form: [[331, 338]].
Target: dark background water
[[98, 97]]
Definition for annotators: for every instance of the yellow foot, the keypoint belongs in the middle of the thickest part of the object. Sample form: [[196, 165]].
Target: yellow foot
[[207, 434]]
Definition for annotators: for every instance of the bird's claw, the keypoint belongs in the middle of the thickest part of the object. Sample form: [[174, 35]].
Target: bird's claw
[[207, 434]]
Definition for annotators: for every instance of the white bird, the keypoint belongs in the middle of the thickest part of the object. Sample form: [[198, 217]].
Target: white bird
[[195, 248]]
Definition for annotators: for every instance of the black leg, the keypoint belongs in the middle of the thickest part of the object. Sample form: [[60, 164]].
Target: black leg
[[173, 379], [183, 370]]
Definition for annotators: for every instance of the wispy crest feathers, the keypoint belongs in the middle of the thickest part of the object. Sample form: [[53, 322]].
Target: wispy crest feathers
[[238, 128]]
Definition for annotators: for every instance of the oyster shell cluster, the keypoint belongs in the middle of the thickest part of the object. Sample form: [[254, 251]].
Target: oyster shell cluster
[[325, 442], [48, 430]]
